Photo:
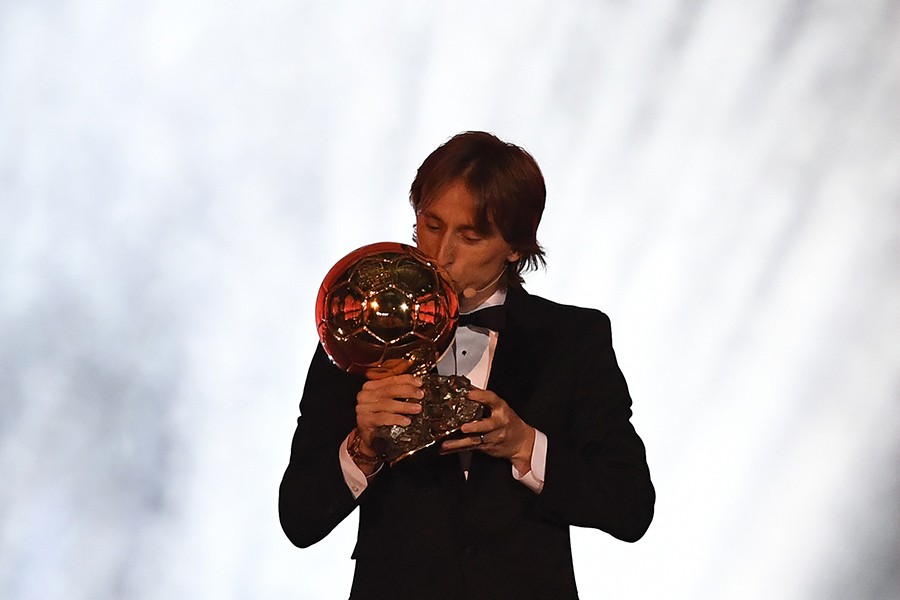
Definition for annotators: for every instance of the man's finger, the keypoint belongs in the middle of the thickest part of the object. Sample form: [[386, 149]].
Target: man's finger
[[374, 384], [390, 392], [461, 444], [389, 406], [484, 397]]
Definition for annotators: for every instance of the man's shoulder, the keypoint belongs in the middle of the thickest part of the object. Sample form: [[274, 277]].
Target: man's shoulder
[[543, 309]]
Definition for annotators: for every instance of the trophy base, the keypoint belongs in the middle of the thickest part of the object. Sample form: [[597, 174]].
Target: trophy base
[[445, 408]]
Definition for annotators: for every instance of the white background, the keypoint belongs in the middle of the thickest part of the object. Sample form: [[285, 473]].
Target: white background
[[176, 177]]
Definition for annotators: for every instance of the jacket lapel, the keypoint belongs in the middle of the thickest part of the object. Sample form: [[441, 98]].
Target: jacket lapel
[[513, 373], [517, 356], [514, 367]]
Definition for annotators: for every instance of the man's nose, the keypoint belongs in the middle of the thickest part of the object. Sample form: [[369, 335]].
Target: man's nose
[[446, 251]]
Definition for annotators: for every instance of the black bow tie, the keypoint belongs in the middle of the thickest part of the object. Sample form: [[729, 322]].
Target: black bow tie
[[492, 317]]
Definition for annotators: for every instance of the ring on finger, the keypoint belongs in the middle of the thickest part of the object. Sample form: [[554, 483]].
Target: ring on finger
[[480, 440]]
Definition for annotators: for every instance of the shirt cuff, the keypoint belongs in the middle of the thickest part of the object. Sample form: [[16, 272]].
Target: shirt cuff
[[354, 477], [534, 479]]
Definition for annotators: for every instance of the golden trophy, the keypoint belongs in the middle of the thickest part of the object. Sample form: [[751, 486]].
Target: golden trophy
[[386, 309]]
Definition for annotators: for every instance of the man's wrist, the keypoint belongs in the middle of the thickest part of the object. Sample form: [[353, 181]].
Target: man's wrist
[[533, 476], [522, 459], [367, 462]]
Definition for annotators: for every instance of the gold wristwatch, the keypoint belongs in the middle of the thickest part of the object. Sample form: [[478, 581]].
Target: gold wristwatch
[[357, 454]]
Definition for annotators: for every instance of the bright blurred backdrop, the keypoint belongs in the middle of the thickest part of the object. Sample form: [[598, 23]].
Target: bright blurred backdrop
[[176, 177]]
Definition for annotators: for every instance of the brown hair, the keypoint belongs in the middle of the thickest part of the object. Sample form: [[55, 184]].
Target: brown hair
[[505, 182]]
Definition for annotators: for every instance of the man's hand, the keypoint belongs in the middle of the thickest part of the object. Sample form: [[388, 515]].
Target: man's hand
[[502, 435], [379, 403]]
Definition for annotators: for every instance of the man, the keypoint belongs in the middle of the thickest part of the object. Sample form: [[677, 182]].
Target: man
[[487, 516]]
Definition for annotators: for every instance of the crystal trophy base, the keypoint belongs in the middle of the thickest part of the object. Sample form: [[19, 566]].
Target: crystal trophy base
[[445, 408]]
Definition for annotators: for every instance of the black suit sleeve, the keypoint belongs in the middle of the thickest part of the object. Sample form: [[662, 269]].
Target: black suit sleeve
[[596, 471], [313, 497]]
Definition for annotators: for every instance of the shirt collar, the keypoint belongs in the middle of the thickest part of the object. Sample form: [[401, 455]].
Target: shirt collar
[[496, 299]]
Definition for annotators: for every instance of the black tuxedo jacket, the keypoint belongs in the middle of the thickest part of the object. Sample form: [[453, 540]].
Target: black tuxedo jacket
[[427, 532]]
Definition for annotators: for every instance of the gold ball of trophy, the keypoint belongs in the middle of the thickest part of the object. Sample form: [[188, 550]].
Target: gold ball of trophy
[[386, 309]]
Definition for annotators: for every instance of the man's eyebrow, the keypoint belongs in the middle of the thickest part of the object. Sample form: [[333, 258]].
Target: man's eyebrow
[[430, 215]]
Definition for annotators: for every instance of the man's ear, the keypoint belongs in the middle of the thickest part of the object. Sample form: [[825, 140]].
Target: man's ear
[[513, 256]]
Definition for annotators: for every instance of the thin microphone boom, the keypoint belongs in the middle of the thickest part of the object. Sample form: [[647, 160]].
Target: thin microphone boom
[[471, 292]]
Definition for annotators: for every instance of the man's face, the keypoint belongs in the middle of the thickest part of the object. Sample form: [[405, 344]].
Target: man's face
[[446, 232]]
